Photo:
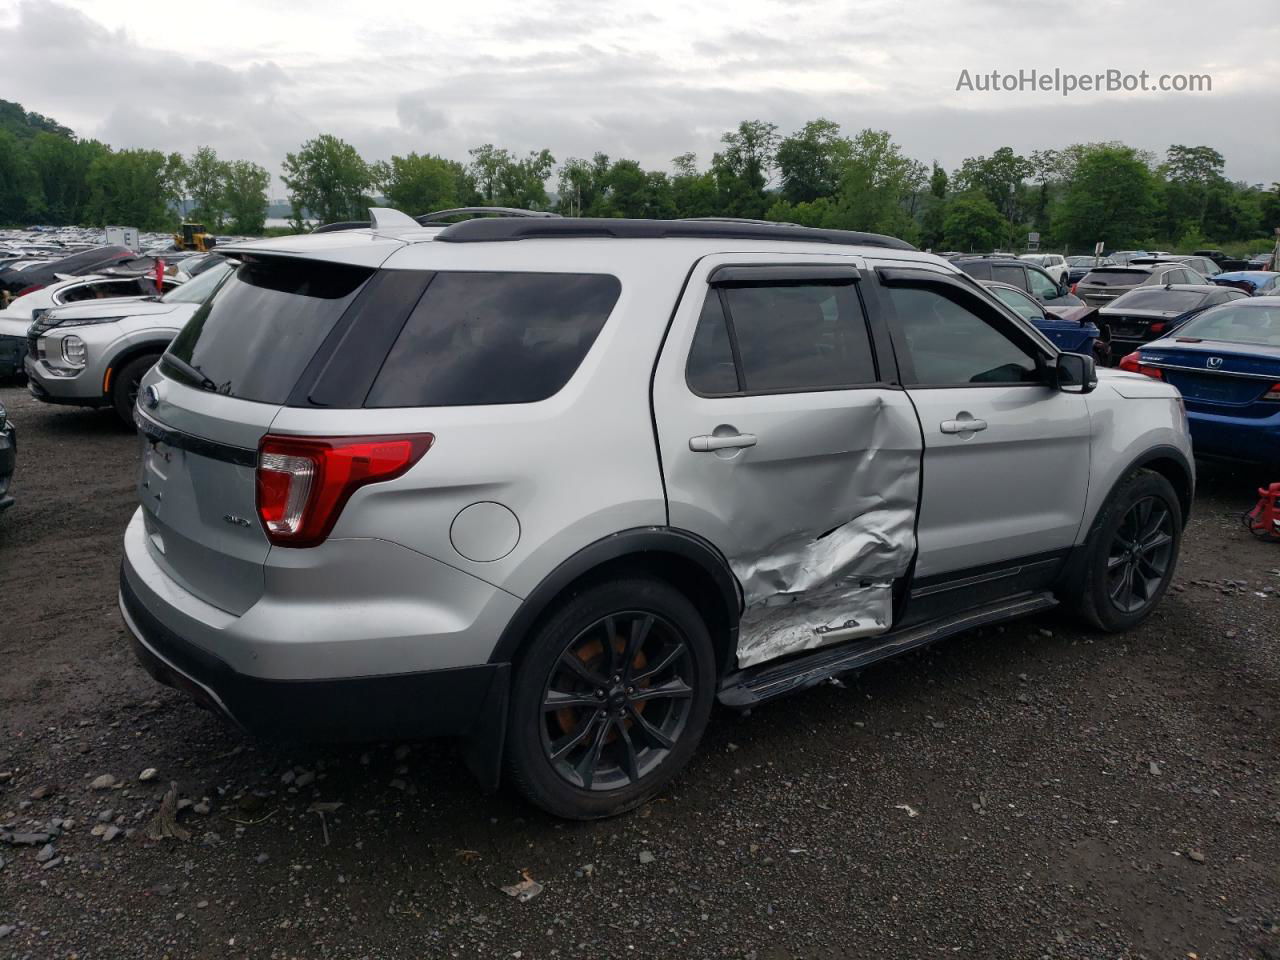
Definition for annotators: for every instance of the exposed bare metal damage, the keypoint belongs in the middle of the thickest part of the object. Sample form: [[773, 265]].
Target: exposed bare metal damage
[[814, 587]]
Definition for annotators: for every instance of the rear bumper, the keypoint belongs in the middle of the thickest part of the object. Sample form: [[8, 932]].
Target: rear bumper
[[437, 703], [1252, 439]]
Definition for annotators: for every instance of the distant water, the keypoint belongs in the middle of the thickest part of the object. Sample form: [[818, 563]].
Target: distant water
[[279, 222]]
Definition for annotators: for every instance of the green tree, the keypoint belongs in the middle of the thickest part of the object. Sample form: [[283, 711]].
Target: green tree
[[327, 179], [972, 222], [62, 164], [205, 178], [1110, 198], [809, 162], [245, 196], [504, 180], [420, 183], [20, 196], [1000, 177], [693, 194], [129, 187], [742, 168], [878, 187], [931, 228]]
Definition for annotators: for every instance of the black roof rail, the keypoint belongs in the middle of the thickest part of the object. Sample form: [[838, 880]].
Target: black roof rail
[[436, 216], [343, 225], [509, 228]]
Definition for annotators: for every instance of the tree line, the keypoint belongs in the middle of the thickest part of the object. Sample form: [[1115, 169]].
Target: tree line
[[817, 176], [48, 175]]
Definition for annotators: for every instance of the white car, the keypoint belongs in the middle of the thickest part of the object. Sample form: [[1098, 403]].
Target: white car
[[1054, 264], [79, 289]]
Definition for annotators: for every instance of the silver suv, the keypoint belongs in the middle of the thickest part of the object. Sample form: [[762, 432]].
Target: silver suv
[[95, 354], [555, 486]]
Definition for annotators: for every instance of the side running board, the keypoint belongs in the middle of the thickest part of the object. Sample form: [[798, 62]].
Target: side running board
[[747, 688]]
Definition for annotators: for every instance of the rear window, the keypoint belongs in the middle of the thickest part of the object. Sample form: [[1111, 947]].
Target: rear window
[[494, 338], [1116, 278], [1248, 322], [1155, 298], [255, 337]]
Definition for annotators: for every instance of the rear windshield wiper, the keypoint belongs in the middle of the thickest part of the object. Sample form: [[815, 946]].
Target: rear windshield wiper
[[190, 372]]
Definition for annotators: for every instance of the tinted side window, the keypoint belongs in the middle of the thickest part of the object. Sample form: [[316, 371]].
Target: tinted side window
[[711, 369], [1007, 273], [489, 338], [802, 337], [949, 344], [264, 324], [978, 269]]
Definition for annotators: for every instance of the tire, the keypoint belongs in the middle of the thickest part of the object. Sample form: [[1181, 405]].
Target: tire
[[1136, 535], [124, 387], [632, 716]]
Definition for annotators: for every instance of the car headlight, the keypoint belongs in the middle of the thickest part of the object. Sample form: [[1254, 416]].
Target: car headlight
[[85, 321], [74, 351]]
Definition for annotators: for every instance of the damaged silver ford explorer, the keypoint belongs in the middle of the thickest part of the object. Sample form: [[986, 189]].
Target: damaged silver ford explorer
[[554, 486]]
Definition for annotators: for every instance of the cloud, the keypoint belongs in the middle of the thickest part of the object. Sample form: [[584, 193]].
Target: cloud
[[255, 81]]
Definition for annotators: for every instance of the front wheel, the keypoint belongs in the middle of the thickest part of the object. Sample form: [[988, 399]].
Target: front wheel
[[1131, 552], [610, 699], [124, 388]]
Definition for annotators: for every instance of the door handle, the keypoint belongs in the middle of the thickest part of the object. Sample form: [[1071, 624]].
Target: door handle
[[709, 442], [963, 424]]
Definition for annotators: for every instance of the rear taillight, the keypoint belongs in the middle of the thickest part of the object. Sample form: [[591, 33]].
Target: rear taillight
[[1133, 363], [31, 289], [304, 482], [1073, 287], [1156, 328], [1273, 393]]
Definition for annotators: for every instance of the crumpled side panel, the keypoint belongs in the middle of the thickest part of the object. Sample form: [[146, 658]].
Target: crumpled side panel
[[812, 588]]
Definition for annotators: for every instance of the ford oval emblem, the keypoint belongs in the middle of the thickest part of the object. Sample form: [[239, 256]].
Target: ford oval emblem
[[150, 397]]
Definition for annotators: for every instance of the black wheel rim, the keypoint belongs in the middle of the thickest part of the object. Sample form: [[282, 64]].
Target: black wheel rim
[[1141, 555], [617, 701]]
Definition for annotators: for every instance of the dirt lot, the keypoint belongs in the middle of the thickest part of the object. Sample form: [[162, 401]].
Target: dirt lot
[[1034, 791]]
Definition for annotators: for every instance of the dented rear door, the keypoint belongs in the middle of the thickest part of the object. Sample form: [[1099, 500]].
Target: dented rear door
[[786, 444]]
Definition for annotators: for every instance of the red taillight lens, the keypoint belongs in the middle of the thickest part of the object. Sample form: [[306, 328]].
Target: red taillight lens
[[304, 482], [31, 289], [1133, 363], [1273, 393], [1073, 287], [1156, 328]]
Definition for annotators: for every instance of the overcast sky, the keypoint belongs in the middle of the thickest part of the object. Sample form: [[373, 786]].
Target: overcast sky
[[647, 81]]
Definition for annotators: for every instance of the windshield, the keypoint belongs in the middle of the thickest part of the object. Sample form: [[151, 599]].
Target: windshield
[[1237, 323], [1155, 298], [197, 289]]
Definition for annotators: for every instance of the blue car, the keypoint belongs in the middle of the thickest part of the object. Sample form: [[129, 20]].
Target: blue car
[[1071, 328], [1226, 364], [1256, 283]]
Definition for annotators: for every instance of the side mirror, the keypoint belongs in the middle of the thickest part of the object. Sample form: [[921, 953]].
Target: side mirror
[[1076, 373]]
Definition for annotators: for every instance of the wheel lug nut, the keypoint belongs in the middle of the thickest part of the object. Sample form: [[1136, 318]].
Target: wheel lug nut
[[599, 694]]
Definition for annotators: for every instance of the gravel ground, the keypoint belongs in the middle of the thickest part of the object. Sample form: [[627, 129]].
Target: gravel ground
[[1031, 791]]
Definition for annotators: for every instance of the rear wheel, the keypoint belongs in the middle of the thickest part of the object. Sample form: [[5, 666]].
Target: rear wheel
[[1131, 552], [610, 699], [124, 386]]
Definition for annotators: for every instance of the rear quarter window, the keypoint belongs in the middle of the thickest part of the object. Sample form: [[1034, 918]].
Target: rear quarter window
[[494, 338]]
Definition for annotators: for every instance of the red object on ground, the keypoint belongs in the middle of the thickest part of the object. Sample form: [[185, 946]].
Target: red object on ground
[[1264, 519]]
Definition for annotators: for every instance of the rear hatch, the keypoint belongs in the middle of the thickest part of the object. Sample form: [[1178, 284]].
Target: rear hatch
[[1104, 284], [1218, 376], [208, 403]]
